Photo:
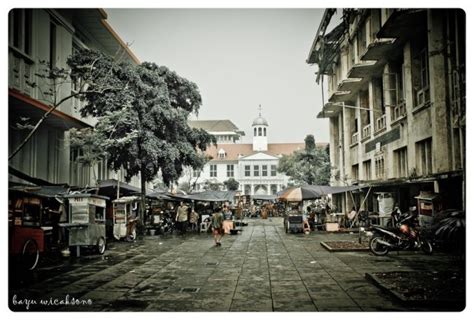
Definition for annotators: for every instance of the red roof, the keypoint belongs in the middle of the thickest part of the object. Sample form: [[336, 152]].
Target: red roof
[[233, 150]]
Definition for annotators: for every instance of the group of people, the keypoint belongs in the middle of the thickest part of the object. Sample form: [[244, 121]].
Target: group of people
[[222, 218], [186, 216]]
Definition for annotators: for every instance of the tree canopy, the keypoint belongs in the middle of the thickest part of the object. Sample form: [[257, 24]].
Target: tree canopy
[[231, 184], [309, 166], [143, 128]]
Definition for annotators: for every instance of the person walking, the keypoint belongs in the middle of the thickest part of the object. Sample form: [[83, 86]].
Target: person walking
[[217, 221], [194, 220], [182, 217]]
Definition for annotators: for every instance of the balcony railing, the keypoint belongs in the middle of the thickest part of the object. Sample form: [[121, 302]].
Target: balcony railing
[[380, 123], [355, 138], [399, 111], [366, 131]]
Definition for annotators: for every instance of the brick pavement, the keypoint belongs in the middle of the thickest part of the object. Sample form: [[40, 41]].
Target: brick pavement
[[262, 269]]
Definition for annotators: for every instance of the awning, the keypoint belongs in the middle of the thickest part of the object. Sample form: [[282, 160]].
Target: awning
[[109, 188], [42, 191], [265, 197], [310, 192], [209, 196]]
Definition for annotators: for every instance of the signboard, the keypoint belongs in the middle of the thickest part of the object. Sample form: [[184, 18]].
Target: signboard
[[88, 200]]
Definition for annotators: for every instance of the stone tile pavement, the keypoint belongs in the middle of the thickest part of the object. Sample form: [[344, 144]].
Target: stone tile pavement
[[261, 269]]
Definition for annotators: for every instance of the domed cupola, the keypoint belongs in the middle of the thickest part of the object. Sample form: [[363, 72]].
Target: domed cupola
[[260, 131]]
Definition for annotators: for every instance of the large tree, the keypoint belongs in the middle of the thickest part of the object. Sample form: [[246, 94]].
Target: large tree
[[143, 129], [308, 166]]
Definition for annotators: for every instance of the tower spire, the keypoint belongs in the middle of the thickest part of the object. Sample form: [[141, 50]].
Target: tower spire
[[259, 110]]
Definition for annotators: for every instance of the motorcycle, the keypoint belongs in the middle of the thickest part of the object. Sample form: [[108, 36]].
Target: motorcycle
[[167, 224], [404, 235]]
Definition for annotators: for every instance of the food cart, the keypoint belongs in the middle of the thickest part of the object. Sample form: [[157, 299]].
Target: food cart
[[429, 204], [86, 221], [125, 212], [34, 214]]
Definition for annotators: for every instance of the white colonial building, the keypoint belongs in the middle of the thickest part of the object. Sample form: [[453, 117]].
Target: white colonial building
[[253, 165]]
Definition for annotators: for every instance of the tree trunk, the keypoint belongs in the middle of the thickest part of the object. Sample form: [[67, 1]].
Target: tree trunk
[[141, 221]]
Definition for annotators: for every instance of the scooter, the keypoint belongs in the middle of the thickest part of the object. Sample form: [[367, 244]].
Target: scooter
[[167, 224], [405, 235]]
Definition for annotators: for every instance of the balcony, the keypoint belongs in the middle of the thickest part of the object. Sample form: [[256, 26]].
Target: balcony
[[330, 110], [379, 48], [366, 131], [340, 96], [350, 84], [355, 138], [399, 112], [21, 70], [380, 124], [401, 23]]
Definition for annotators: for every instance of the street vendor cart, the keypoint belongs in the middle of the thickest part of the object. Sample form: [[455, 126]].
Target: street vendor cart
[[86, 221], [125, 212], [34, 213]]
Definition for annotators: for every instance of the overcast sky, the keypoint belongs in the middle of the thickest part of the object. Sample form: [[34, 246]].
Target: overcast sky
[[239, 58]]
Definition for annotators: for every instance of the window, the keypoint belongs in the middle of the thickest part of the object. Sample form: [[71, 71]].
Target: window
[[213, 170], [379, 167], [222, 154], [52, 45], [423, 156], [273, 171], [247, 189], [254, 131], [230, 170], [420, 71], [79, 173], [273, 188], [196, 173], [264, 132], [264, 170], [20, 30], [401, 162], [367, 169], [259, 132], [256, 171], [247, 171], [101, 170], [355, 172]]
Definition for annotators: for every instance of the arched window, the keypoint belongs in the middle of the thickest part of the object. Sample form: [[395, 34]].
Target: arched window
[[264, 132], [254, 131], [259, 132]]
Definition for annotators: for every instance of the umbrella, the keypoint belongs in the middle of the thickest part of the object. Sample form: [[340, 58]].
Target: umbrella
[[311, 192], [301, 193]]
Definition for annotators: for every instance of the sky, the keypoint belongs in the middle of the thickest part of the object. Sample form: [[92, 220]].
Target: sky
[[240, 59]]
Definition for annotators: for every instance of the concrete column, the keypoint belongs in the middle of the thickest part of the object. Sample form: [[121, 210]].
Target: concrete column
[[408, 86], [440, 116], [346, 118]]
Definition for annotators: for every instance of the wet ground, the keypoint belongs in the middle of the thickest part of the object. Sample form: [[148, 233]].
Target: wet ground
[[261, 269]]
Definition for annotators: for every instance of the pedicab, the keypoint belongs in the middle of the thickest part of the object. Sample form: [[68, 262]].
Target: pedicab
[[86, 224], [125, 212], [34, 214]]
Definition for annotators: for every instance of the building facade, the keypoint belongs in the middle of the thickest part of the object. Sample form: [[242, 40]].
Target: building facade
[[396, 102], [253, 166], [40, 38]]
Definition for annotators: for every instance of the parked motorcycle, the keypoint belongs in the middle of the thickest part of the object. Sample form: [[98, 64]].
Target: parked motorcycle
[[166, 226], [404, 235]]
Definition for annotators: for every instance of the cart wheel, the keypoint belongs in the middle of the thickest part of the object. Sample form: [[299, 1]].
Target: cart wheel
[[101, 245], [30, 254]]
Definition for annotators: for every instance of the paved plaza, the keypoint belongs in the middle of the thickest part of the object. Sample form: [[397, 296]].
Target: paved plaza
[[261, 269]]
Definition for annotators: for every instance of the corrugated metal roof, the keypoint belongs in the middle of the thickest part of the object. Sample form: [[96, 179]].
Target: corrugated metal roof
[[213, 125]]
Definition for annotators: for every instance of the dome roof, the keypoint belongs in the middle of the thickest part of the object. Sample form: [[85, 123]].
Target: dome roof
[[260, 121]]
